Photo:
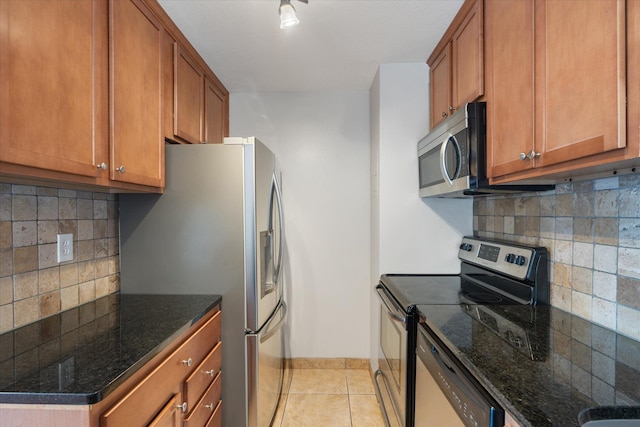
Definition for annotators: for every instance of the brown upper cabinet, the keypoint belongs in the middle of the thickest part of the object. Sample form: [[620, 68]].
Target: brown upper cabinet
[[53, 81], [188, 98], [456, 69], [135, 42], [87, 93], [216, 113], [199, 104], [556, 86]]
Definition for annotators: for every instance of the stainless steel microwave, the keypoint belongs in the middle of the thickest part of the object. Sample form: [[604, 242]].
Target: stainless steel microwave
[[452, 158]]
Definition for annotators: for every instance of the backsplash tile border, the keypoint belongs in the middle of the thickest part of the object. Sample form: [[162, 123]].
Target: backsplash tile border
[[592, 231], [32, 284]]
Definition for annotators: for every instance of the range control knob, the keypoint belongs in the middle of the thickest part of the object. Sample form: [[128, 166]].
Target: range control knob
[[466, 247], [510, 258], [520, 260]]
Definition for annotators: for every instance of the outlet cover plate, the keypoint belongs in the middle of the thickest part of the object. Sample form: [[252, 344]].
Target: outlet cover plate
[[65, 247]]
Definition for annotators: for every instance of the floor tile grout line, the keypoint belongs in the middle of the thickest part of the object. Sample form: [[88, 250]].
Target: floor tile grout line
[[346, 379], [349, 393]]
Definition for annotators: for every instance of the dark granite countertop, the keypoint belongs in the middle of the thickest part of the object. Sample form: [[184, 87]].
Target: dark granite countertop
[[565, 364], [80, 355]]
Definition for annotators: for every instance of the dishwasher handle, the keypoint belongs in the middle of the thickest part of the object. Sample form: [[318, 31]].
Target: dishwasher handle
[[460, 388], [395, 311]]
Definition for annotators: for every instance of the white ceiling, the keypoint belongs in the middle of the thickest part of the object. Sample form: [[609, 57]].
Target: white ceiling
[[337, 46]]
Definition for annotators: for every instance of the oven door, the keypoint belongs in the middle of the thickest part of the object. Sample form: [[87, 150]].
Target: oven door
[[391, 377]]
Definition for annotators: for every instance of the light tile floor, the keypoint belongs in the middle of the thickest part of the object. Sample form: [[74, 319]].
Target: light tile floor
[[329, 397]]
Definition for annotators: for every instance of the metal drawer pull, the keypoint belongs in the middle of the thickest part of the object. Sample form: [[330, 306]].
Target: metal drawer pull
[[210, 406], [523, 156], [211, 373], [182, 407], [102, 166], [120, 169], [187, 362]]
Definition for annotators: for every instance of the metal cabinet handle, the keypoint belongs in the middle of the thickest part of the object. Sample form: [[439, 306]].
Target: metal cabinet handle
[[102, 166], [444, 114], [182, 407], [532, 155], [211, 373], [452, 108], [210, 406], [187, 362], [120, 169]]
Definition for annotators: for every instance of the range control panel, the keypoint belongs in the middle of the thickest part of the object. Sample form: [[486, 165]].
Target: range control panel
[[502, 257]]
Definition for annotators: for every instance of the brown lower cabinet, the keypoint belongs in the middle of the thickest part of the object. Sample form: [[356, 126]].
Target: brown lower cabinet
[[181, 386], [185, 386]]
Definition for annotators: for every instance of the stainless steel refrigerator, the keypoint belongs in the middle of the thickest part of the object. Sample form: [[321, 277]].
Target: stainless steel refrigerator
[[217, 229]]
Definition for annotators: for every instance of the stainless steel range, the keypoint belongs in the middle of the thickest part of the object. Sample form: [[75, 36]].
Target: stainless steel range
[[493, 274]]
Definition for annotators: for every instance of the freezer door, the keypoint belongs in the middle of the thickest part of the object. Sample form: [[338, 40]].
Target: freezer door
[[263, 234], [265, 369]]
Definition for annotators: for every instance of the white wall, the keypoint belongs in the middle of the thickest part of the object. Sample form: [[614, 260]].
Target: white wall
[[409, 234], [321, 142]]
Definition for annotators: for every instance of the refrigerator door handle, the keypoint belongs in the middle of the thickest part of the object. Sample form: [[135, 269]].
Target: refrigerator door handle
[[275, 191], [272, 330]]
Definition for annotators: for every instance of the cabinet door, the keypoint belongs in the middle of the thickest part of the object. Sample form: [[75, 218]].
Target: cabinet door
[[188, 97], [581, 75], [510, 84], [53, 84], [440, 86], [215, 116], [170, 415], [137, 143], [468, 58]]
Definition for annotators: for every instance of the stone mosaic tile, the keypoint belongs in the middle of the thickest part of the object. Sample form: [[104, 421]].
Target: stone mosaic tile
[[605, 285], [628, 292], [30, 219], [606, 231], [605, 258]]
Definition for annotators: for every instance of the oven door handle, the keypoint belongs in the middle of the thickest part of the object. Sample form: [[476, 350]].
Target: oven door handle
[[396, 312]]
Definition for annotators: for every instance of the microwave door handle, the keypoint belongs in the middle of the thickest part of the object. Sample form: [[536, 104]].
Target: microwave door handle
[[443, 163]]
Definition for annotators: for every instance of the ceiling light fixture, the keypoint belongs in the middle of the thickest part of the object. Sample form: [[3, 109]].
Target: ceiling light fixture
[[288, 18]]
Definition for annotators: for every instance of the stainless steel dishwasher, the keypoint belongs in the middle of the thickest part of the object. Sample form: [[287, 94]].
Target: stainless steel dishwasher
[[446, 393]]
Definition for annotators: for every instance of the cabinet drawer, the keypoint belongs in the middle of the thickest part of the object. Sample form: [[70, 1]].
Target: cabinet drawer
[[206, 407], [143, 402], [203, 376], [196, 348], [216, 418]]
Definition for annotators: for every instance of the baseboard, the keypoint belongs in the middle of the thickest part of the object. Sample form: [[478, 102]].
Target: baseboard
[[328, 363]]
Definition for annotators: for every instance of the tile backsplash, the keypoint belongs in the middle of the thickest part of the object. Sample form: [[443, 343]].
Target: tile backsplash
[[592, 231], [32, 283]]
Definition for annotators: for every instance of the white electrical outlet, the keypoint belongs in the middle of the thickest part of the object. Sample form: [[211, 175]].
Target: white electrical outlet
[[65, 247]]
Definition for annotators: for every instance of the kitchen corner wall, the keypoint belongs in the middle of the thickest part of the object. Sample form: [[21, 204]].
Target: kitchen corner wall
[[321, 143], [592, 231], [408, 234], [32, 284]]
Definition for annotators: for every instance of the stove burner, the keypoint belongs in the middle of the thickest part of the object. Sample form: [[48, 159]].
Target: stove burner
[[483, 298]]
